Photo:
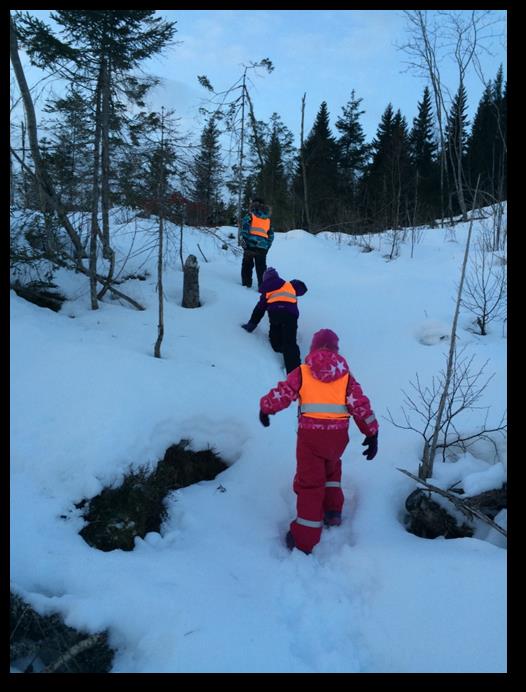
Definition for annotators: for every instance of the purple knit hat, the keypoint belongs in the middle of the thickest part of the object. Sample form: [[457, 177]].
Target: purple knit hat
[[270, 273], [325, 338]]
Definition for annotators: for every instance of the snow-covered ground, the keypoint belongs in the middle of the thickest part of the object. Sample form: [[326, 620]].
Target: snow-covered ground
[[216, 590]]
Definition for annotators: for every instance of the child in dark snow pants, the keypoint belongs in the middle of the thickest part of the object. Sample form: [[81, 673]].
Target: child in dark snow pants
[[256, 238], [328, 395], [279, 299]]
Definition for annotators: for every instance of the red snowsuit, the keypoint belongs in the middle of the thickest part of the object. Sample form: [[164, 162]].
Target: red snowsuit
[[322, 440]]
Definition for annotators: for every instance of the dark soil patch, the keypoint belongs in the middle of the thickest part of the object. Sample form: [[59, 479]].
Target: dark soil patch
[[118, 515]]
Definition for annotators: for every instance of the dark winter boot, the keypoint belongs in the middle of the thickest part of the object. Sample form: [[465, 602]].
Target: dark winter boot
[[291, 543], [332, 518]]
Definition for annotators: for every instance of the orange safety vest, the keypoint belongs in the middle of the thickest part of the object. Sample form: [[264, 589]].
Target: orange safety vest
[[285, 294], [259, 227], [322, 399]]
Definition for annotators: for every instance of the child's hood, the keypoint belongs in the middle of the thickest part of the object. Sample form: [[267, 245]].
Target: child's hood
[[326, 365]]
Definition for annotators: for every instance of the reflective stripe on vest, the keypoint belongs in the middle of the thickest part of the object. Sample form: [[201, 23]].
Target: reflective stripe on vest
[[309, 523], [323, 399], [285, 294], [324, 408], [259, 227], [333, 484]]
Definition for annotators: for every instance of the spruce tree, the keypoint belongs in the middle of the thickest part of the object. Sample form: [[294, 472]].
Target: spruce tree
[[207, 173], [377, 198], [388, 179], [69, 155], [486, 146], [272, 181], [353, 150], [99, 51], [423, 148], [321, 158], [456, 138]]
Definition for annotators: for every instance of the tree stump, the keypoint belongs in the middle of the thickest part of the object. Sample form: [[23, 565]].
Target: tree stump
[[191, 283]]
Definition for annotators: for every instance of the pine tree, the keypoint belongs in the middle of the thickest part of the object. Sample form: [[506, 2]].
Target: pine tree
[[353, 150], [99, 52], [387, 182], [207, 173], [272, 181], [401, 171], [456, 138], [69, 155], [486, 146], [423, 148], [321, 158]]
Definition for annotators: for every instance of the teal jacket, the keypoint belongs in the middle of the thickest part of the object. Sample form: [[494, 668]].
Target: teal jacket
[[255, 242]]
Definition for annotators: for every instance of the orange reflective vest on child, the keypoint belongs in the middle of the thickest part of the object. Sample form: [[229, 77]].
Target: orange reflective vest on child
[[259, 227], [322, 399], [285, 293]]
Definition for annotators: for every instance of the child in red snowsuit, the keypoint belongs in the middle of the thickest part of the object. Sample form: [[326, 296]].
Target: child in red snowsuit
[[328, 395]]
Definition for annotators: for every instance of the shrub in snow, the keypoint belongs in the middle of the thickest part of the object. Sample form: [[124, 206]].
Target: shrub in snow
[[118, 515], [45, 644]]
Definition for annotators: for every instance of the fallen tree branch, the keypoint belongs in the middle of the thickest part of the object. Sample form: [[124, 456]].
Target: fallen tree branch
[[459, 504], [74, 651], [201, 252]]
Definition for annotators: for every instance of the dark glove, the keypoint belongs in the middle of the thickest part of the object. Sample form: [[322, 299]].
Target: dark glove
[[243, 243], [264, 419], [371, 443], [249, 327]]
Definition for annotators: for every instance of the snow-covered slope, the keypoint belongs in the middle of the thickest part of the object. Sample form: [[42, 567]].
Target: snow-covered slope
[[216, 590]]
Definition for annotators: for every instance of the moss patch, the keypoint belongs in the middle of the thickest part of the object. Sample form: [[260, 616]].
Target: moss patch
[[118, 515]]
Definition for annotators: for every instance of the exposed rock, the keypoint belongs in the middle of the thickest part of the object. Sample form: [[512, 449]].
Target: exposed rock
[[427, 519]]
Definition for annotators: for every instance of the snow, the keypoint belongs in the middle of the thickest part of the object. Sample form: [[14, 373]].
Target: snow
[[216, 590]]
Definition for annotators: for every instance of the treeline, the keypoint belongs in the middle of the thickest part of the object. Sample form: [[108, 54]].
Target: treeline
[[100, 147]]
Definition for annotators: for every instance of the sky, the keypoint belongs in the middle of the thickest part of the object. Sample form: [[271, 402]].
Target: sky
[[323, 53], [216, 590]]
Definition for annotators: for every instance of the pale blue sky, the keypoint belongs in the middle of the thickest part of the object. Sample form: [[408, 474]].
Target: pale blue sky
[[325, 53]]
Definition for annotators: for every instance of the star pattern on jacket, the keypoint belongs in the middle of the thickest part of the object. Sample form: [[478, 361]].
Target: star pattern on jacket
[[351, 399]]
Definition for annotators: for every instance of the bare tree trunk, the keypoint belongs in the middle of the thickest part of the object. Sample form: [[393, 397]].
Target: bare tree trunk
[[105, 171], [304, 168], [24, 174], [181, 241], [160, 201], [160, 327], [240, 172], [425, 469], [29, 110], [11, 180], [45, 186], [95, 229], [413, 229]]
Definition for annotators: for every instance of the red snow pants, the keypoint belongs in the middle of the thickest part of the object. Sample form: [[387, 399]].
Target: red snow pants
[[317, 482]]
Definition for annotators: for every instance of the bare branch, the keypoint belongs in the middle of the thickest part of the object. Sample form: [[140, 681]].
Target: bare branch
[[462, 505]]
